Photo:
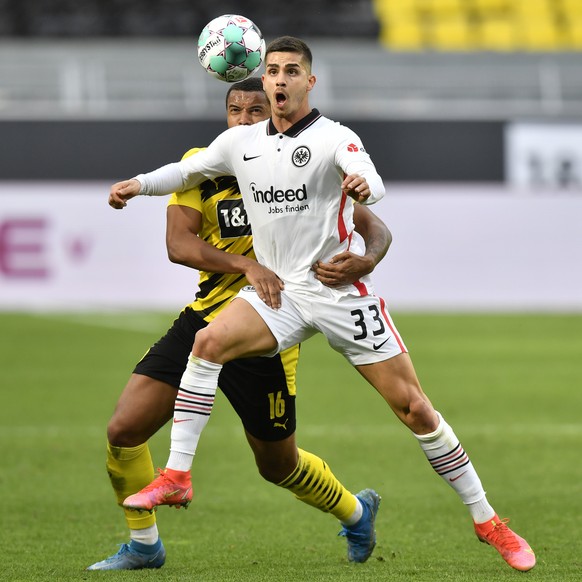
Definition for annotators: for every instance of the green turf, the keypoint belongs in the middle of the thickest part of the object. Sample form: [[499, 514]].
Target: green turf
[[509, 384]]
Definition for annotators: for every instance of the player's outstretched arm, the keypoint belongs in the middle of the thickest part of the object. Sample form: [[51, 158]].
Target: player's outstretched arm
[[174, 177], [347, 267], [364, 189], [123, 191]]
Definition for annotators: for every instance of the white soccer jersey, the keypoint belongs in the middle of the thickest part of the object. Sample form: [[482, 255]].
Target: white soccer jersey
[[291, 187]]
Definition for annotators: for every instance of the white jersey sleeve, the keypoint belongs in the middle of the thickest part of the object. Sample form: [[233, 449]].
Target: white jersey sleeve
[[352, 158], [189, 172]]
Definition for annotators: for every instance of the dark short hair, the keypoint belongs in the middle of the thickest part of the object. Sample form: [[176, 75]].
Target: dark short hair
[[290, 44], [249, 85]]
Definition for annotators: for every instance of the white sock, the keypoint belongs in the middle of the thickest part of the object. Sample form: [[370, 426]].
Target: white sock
[[447, 457], [356, 516], [148, 535], [192, 410], [481, 511]]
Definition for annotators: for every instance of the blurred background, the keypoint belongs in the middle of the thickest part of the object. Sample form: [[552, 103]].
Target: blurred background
[[471, 110]]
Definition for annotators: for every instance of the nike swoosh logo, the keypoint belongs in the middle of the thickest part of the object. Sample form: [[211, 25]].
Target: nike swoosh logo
[[176, 420], [378, 346], [453, 479], [247, 158], [170, 493]]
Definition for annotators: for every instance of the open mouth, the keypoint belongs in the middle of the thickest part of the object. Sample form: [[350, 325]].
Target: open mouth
[[280, 98]]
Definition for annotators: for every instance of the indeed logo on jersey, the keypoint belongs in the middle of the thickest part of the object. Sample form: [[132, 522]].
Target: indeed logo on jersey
[[270, 195]]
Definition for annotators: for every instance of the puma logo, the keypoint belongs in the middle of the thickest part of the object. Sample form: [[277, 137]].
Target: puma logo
[[281, 425]]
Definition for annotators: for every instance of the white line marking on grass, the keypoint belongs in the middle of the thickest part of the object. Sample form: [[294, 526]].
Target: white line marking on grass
[[548, 431], [491, 430], [143, 322], [49, 432]]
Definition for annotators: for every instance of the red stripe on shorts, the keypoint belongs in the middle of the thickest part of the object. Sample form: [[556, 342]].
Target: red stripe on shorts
[[362, 289], [392, 328]]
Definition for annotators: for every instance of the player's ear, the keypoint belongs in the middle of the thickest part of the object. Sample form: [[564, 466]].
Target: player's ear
[[311, 82]]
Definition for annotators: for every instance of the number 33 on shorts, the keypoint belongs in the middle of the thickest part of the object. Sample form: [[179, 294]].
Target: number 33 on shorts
[[368, 328]]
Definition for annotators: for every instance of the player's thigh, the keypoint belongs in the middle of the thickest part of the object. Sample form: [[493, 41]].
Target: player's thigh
[[288, 324], [394, 378], [262, 392], [237, 331], [145, 405], [396, 381]]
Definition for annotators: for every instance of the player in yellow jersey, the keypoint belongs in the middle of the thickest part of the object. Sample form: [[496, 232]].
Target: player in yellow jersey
[[207, 230]]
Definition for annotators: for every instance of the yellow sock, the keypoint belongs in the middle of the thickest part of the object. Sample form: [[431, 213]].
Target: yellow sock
[[131, 469], [313, 483]]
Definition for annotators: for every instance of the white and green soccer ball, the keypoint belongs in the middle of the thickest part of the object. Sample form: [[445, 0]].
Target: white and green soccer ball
[[231, 47]]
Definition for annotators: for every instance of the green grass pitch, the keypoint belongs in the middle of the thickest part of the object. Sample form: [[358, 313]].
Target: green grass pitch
[[510, 385]]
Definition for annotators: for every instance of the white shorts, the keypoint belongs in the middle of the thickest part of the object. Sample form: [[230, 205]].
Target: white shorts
[[360, 328]]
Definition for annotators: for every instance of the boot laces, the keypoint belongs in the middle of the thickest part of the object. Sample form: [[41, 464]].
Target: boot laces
[[162, 478], [503, 536]]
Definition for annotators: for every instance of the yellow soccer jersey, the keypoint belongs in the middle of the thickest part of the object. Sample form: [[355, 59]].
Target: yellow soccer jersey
[[225, 226]]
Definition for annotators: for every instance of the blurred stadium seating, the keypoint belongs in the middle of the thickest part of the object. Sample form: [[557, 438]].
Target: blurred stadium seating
[[487, 25], [477, 59], [106, 18], [161, 78], [451, 97]]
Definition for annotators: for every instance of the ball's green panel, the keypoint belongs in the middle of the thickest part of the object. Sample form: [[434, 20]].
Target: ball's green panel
[[203, 36], [232, 33], [253, 60], [236, 47], [236, 54], [218, 64]]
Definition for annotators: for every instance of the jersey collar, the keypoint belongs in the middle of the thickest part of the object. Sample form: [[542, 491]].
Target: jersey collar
[[298, 127]]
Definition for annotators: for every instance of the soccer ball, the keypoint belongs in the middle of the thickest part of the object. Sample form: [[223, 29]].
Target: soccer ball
[[231, 47]]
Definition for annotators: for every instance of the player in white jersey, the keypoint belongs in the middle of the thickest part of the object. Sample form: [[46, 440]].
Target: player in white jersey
[[287, 178], [207, 230], [298, 199], [290, 178]]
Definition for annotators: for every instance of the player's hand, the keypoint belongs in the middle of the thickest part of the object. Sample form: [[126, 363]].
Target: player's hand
[[121, 192], [356, 187], [343, 269], [266, 283]]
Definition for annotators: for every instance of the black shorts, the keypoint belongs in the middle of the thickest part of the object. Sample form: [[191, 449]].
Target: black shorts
[[261, 390]]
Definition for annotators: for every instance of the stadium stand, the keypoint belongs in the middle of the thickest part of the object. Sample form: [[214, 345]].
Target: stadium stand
[[431, 84], [175, 18], [117, 79], [427, 59], [486, 25]]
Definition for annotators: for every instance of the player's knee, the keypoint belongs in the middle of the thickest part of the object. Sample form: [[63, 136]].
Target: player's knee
[[122, 434], [208, 345], [275, 468], [421, 417], [274, 473]]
